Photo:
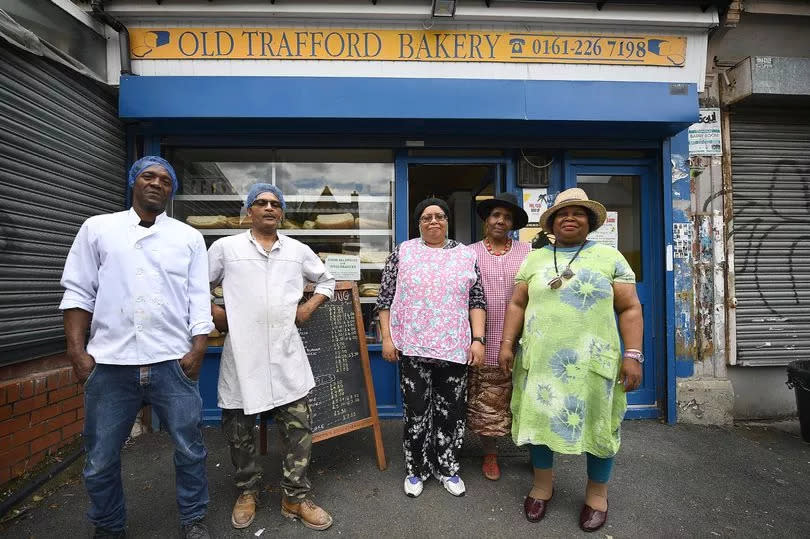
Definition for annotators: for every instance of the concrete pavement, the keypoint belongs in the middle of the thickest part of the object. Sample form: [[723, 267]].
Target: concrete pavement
[[681, 481]]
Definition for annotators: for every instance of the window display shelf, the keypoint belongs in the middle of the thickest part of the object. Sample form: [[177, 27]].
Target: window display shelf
[[303, 232], [340, 199]]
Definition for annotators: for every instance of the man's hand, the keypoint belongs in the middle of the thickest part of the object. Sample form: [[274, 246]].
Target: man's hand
[[83, 364], [630, 374], [191, 363], [303, 314], [476, 354]]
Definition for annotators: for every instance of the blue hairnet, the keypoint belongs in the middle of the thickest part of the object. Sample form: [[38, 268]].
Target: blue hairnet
[[259, 188], [145, 162]]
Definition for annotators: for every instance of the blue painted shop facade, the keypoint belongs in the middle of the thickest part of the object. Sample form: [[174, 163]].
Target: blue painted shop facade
[[623, 142]]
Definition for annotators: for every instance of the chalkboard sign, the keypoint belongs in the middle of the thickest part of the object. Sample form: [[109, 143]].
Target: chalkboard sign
[[343, 397]]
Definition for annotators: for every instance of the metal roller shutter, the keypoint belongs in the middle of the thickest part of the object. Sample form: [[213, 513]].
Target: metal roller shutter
[[61, 160], [770, 156]]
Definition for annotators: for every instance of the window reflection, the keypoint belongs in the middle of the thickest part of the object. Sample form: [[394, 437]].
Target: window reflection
[[620, 194]]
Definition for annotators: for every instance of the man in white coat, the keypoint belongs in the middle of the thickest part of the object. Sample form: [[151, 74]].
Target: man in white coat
[[137, 280], [264, 365]]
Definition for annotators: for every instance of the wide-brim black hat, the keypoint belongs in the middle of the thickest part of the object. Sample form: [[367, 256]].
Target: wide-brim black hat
[[504, 200]]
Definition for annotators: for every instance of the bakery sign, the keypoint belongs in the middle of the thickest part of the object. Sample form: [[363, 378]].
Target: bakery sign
[[405, 45]]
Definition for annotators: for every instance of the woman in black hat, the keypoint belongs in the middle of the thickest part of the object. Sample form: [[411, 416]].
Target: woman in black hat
[[499, 258]]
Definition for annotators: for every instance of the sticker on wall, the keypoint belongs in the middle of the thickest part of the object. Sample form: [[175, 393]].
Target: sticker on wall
[[705, 137], [680, 167], [682, 240]]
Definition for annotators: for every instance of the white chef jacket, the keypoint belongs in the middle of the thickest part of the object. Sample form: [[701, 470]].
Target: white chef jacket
[[146, 287], [264, 364]]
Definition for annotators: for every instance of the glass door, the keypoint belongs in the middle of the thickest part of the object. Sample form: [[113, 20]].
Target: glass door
[[628, 194]]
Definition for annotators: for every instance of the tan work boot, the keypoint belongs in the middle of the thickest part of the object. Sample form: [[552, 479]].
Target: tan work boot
[[244, 510], [307, 512]]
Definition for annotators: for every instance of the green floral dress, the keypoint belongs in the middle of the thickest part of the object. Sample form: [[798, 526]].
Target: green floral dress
[[566, 393]]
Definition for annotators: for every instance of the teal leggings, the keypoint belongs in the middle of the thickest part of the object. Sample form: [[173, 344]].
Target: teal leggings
[[598, 468]]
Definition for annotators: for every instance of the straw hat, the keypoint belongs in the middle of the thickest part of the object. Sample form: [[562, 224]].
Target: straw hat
[[573, 197]]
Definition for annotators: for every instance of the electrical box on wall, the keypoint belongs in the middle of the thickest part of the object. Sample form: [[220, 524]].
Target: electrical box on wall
[[533, 169]]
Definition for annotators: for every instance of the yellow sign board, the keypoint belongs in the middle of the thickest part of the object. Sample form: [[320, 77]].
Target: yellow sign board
[[404, 46]]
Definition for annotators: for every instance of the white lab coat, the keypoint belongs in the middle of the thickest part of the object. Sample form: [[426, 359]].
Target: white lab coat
[[264, 364]]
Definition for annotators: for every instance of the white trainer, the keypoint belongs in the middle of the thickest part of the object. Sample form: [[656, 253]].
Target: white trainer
[[413, 486], [454, 485]]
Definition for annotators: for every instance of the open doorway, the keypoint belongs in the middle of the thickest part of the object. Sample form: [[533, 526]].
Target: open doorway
[[461, 186]]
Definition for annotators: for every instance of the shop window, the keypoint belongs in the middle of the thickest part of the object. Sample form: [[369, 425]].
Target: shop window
[[339, 201]]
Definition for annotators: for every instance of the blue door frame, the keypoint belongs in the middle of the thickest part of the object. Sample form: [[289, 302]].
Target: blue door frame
[[648, 400], [403, 160]]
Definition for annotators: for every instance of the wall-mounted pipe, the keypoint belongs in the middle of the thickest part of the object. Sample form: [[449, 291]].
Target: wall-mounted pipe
[[123, 33]]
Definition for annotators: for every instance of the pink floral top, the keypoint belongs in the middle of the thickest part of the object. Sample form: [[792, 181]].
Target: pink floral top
[[430, 311]]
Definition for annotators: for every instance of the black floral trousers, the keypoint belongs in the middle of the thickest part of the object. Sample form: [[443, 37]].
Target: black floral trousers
[[434, 395]]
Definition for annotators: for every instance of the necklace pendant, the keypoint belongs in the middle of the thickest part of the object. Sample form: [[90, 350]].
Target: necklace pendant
[[567, 273], [555, 283]]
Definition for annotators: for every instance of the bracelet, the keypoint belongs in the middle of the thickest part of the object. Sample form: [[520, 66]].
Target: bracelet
[[506, 340], [633, 354], [633, 350]]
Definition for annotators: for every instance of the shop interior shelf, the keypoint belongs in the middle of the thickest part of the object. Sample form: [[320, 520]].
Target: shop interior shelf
[[340, 199], [303, 232]]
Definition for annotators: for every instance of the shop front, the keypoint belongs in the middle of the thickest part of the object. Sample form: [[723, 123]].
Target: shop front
[[353, 153]]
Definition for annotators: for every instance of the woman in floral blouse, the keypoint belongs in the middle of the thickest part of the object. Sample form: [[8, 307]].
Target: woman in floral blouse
[[432, 317], [571, 376]]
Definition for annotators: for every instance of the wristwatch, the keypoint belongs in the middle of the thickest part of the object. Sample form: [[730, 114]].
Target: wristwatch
[[482, 340], [634, 354]]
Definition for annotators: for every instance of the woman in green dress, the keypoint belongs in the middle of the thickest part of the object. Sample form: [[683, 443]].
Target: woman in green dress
[[570, 375]]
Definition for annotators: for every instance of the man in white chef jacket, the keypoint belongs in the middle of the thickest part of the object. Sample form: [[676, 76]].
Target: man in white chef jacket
[[137, 279], [264, 365]]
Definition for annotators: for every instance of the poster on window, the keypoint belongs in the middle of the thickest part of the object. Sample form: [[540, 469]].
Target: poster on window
[[344, 267], [534, 203], [608, 233]]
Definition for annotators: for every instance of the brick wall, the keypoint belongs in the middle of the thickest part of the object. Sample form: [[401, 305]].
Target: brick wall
[[39, 413]]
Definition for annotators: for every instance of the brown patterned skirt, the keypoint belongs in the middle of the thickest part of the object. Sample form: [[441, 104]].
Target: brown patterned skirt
[[488, 400]]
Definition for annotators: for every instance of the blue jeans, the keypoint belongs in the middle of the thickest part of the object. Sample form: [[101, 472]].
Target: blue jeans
[[113, 395]]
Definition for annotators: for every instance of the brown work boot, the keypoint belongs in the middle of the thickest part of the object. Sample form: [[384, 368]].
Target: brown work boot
[[244, 510], [307, 512]]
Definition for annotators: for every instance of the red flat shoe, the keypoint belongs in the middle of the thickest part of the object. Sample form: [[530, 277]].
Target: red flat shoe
[[590, 519], [535, 509], [490, 467]]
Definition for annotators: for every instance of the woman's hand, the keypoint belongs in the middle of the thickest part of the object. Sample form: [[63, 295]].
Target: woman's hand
[[630, 374], [390, 353], [506, 358], [476, 354]]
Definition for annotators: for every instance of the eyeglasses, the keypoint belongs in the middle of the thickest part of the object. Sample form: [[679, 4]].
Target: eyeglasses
[[439, 217], [262, 203]]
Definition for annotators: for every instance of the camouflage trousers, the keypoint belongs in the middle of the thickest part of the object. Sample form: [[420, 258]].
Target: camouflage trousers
[[293, 420]]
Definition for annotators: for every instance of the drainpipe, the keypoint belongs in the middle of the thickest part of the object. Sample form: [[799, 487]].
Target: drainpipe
[[123, 33]]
